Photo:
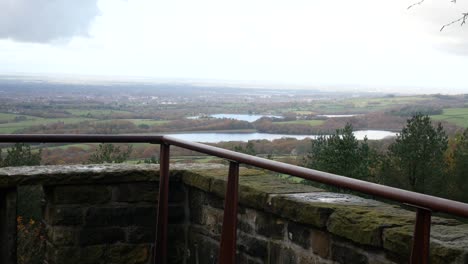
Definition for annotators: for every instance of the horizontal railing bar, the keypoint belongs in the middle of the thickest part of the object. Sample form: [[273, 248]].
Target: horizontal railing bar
[[422, 200], [433, 203], [54, 138]]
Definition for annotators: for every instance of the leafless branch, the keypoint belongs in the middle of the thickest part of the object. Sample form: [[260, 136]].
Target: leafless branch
[[462, 21], [419, 3]]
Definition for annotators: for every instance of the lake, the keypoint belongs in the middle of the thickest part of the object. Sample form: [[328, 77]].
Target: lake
[[242, 117], [207, 137]]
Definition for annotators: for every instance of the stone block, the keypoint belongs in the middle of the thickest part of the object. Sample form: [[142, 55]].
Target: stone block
[[64, 215], [299, 234], [398, 239], [93, 254], [145, 215], [96, 236], [138, 234], [213, 220], [79, 194], [300, 211], [364, 224], [62, 236], [320, 243], [202, 249], [61, 255], [110, 216], [252, 246], [136, 192], [269, 226], [128, 254], [176, 213], [346, 254], [198, 181], [280, 254]]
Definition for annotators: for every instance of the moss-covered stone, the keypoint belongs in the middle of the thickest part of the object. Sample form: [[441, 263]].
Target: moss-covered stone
[[314, 214], [449, 244], [199, 181], [363, 224], [398, 239]]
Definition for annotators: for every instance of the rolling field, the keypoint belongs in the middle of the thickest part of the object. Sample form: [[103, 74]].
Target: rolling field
[[302, 122], [95, 112], [458, 116], [12, 127]]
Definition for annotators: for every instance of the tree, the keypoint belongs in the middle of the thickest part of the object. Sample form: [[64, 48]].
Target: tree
[[20, 155], [248, 149], [109, 153], [459, 171], [417, 155], [341, 153]]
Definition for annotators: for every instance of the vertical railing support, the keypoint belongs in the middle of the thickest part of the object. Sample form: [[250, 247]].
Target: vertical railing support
[[160, 251], [227, 250], [421, 238]]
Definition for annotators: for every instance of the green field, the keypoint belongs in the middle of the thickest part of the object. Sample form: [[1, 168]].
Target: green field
[[372, 104], [95, 112], [65, 147], [302, 122], [137, 122], [7, 128], [458, 116], [7, 117], [149, 122]]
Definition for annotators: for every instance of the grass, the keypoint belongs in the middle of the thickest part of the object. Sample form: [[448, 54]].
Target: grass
[[95, 112], [13, 127], [65, 147], [382, 103], [137, 122], [149, 122], [8, 117], [304, 112], [457, 116], [302, 122]]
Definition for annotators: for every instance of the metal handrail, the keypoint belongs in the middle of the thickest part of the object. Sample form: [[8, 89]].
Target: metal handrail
[[425, 204]]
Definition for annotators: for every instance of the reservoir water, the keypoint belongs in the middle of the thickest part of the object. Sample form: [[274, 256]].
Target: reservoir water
[[224, 136], [242, 117]]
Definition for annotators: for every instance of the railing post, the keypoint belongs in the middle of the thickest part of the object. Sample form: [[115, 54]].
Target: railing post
[[160, 252], [421, 238], [227, 250]]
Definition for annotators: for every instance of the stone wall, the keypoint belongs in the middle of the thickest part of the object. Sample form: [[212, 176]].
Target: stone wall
[[107, 214], [284, 222]]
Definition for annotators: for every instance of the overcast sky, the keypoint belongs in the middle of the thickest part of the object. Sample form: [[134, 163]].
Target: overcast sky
[[364, 44]]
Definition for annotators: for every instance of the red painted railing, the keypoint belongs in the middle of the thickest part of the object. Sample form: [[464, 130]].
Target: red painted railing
[[425, 204]]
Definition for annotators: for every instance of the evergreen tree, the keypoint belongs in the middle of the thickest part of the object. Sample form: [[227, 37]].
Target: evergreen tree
[[416, 158], [109, 153], [20, 155], [341, 153]]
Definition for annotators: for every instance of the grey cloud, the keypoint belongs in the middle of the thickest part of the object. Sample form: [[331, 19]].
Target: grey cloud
[[45, 20]]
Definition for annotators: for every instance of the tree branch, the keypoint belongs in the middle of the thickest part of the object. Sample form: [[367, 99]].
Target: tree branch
[[418, 3], [462, 19]]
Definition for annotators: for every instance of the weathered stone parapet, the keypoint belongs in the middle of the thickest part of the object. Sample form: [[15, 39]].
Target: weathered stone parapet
[[285, 222], [106, 214]]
